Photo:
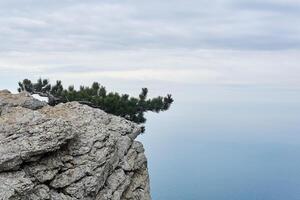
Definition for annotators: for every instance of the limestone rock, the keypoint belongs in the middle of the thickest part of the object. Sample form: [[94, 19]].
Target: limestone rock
[[68, 152], [23, 100]]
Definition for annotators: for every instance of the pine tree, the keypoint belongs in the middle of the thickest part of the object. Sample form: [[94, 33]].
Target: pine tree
[[96, 96]]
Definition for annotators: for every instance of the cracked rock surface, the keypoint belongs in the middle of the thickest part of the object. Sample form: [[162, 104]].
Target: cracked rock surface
[[68, 152]]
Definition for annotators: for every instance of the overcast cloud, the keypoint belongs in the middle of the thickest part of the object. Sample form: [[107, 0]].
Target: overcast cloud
[[194, 41]]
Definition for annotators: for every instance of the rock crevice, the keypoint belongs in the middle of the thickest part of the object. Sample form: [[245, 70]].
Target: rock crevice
[[68, 152]]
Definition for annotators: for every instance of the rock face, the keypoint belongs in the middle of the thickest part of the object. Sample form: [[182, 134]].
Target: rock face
[[68, 152]]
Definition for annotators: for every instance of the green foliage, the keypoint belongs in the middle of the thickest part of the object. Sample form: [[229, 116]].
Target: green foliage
[[131, 108]]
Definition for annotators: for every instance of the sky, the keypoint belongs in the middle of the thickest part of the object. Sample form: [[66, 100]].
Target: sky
[[220, 42]]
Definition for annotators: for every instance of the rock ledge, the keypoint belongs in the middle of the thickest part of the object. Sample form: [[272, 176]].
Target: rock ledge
[[68, 152]]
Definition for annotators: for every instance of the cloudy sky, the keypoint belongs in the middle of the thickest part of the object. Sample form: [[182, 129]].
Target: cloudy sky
[[221, 42]]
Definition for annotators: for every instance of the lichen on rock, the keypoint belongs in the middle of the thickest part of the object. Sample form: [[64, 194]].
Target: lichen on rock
[[69, 151]]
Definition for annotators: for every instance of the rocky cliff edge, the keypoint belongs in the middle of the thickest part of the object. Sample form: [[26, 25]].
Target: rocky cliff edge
[[68, 152]]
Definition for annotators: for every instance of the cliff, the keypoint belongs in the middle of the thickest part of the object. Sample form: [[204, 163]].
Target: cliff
[[68, 152]]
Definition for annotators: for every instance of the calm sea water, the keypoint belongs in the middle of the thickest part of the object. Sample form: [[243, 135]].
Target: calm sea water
[[222, 143], [229, 143]]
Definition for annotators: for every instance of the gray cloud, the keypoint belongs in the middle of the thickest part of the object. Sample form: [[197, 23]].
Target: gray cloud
[[219, 42], [279, 6], [73, 25]]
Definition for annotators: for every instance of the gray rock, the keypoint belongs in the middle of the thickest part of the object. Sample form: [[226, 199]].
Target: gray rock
[[68, 152], [26, 133], [22, 99], [15, 185]]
